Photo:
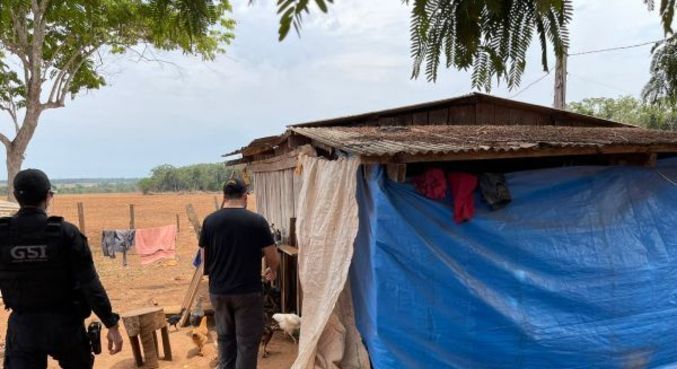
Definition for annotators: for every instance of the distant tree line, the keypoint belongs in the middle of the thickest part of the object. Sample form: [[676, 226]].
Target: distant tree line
[[164, 178], [628, 109], [98, 188], [88, 186], [192, 178]]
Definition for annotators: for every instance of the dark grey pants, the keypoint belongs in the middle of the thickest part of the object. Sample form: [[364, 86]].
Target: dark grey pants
[[239, 325], [31, 337]]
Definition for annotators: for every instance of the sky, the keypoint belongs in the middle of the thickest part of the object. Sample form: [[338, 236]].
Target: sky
[[352, 60]]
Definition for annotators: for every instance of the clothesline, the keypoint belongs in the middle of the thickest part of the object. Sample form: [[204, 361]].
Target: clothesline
[[152, 244]]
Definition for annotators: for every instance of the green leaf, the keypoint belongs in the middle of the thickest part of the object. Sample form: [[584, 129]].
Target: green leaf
[[322, 5]]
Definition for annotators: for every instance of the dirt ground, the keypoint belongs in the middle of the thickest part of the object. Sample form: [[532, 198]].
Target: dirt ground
[[164, 282]]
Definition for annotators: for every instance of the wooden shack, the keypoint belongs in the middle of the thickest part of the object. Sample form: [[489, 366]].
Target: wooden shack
[[474, 131]]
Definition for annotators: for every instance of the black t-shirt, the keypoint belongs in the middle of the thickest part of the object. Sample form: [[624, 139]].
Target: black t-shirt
[[233, 240]]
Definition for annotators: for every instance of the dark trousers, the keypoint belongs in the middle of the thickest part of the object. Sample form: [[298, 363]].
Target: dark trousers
[[239, 325], [31, 337]]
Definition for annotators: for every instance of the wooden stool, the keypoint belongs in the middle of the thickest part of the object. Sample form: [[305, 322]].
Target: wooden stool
[[145, 322]]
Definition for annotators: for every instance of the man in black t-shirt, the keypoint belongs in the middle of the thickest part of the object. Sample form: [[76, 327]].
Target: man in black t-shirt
[[233, 240]]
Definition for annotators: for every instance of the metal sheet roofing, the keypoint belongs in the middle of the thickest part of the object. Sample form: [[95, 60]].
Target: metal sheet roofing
[[449, 139]]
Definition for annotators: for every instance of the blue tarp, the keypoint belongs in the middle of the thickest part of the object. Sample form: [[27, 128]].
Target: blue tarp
[[579, 271]]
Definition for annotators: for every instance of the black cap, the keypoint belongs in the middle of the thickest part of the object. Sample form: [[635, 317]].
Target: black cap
[[31, 185], [235, 186]]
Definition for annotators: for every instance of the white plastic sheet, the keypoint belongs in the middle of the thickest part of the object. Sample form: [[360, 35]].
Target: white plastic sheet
[[327, 224]]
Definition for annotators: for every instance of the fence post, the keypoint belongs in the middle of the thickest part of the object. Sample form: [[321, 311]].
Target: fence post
[[178, 224], [81, 217], [132, 223]]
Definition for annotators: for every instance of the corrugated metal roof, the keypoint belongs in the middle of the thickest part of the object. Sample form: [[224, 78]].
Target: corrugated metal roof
[[446, 139], [259, 144]]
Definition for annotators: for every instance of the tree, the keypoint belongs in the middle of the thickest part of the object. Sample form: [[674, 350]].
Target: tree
[[628, 109], [59, 46], [198, 177], [662, 85], [491, 37]]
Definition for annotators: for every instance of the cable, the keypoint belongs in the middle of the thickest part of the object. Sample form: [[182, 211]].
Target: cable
[[590, 80], [615, 48], [530, 84]]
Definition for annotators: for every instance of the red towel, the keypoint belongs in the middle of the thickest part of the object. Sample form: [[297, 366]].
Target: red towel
[[153, 244], [432, 184], [462, 187]]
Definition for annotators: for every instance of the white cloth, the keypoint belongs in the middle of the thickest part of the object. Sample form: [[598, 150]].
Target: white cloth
[[327, 223]]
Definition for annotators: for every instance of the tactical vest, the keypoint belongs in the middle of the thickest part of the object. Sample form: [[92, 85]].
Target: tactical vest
[[34, 268]]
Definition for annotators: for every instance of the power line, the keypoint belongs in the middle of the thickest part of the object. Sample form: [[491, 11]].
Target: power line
[[590, 80], [615, 48], [530, 84]]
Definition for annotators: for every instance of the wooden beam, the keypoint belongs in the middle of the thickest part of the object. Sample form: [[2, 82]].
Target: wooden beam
[[199, 271], [641, 159], [192, 217], [288, 249], [279, 163], [321, 146], [397, 172], [284, 161], [296, 140], [523, 153]]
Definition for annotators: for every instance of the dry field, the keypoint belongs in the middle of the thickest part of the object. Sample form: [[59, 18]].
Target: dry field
[[164, 282]]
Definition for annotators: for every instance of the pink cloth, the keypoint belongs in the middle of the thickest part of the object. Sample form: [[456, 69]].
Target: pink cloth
[[153, 244]]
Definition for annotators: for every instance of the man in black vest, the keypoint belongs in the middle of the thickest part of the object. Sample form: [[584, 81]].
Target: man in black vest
[[49, 282]]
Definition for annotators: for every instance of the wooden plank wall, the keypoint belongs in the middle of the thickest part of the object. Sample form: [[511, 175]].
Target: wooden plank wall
[[471, 113], [276, 193]]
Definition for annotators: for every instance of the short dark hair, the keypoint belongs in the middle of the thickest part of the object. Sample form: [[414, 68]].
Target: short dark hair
[[31, 187], [234, 188]]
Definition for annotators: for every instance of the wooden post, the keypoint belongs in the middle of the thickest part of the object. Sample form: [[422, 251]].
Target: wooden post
[[143, 324], [81, 217], [178, 224], [217, 206], [397, 172], [199, 271], [166, 347], [192, 217], [561, 82], [294, 242], [132, 222], [136, 350], [292, 232], [284, 286]]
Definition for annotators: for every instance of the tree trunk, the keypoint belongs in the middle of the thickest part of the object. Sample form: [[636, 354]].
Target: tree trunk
[[14, 161], [16, 150]]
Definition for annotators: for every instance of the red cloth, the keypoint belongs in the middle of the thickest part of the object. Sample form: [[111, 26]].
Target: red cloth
[[462, 188], [432, 184], [153, 244]]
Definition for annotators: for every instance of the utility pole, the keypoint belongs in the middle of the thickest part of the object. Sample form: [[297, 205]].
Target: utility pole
[[561, 82]]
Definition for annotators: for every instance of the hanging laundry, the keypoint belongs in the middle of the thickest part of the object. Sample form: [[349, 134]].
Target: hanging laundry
[[494, 189], [462, 187], [118, 240], [153, 244], [432, 184]]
